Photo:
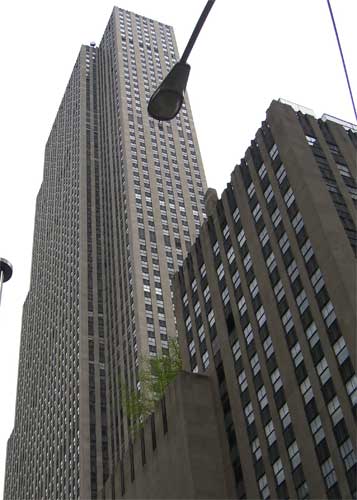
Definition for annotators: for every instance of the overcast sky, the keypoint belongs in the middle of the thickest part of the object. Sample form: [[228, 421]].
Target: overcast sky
[[249, 52]]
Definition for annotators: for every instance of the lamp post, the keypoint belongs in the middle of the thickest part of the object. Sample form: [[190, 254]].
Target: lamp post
[[5, 273], [166, 101]]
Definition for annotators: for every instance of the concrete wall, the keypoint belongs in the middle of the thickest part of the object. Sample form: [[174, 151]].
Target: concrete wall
[[186, 462]]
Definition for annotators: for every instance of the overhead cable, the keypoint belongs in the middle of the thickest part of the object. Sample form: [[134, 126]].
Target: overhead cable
[[342, 57]]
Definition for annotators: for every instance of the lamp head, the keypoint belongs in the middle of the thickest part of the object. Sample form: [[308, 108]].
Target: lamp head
[[166, 101], [6, 269]]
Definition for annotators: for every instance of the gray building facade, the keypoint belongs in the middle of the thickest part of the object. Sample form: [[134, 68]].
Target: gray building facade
[[265, 305], [121, 201]]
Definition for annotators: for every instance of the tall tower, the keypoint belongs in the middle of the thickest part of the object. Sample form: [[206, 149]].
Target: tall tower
[[121, 201]]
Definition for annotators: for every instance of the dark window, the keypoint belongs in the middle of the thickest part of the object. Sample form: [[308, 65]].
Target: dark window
[[230, 323]]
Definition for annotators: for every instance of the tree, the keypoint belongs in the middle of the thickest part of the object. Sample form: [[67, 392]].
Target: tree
[[154, 377]]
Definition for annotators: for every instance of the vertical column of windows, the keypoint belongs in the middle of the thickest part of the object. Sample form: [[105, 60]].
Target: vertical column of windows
[[340, 161], [332, 187]]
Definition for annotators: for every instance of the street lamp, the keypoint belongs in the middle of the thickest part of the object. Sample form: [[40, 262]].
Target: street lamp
[[5, 273], [167, 99]]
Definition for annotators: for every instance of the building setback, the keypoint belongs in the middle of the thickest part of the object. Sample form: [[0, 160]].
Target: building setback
[[121, 201], [265, 305]]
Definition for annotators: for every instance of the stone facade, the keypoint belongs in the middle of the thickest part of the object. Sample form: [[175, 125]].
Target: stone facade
[[265, 305]]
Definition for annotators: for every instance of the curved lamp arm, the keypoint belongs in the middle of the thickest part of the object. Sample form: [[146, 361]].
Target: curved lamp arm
[[166, 101]]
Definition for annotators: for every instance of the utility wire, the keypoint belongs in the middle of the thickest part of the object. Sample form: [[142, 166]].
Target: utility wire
[[343, 59]]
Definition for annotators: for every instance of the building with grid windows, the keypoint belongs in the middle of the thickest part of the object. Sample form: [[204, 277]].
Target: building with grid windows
[[265, 305], [121, 201]]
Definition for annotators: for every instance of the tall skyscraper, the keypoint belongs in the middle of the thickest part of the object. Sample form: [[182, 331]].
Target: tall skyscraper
[[265, 305], [121, 200]]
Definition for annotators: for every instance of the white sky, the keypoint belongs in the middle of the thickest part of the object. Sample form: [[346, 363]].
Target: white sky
[[249, 52]]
